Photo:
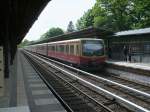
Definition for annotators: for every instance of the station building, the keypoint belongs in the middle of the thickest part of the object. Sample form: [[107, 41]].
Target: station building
[[137, 41]]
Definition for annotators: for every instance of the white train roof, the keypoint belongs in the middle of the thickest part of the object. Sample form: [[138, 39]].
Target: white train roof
[[73, 40]]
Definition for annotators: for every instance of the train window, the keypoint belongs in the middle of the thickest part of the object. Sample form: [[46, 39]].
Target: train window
[[59, 48], [67, 49], [53, 48], [71, 49], [77, 50], [40, 48], [56, 47], [62, 48], [50, 48]]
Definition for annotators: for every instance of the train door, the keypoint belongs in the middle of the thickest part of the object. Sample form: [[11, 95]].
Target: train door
[[72, 49], [77, 49]]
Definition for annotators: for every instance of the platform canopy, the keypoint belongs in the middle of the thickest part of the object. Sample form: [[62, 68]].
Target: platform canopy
[[133, 32], [17, 17], [90, 32]]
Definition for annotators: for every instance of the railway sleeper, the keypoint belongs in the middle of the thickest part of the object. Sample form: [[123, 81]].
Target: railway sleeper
[[81, 108], [110, 102], [79, 102], [86, 106], [63, 92], [75, 98], [67, 95]]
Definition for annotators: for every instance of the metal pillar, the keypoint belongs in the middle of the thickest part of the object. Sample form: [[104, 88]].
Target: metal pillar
[[6, 59], [1, 72]]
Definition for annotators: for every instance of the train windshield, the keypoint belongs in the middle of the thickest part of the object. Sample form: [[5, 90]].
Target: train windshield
[[93, 48]]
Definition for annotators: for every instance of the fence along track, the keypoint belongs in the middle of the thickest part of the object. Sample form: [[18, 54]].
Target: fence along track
[[74, 101], [123, 101]]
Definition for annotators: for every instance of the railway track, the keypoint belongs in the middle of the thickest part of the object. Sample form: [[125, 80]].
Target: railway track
[[123, 98], [74, 98], [125, 81]]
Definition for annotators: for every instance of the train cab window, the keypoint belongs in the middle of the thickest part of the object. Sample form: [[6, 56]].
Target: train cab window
[[92, 48], [71, 49]]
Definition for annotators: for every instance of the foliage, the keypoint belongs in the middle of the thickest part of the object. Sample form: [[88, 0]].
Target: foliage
[[117, 15], [86, 20], [24, 43], [51, 33], [142, 13], [70, 27]]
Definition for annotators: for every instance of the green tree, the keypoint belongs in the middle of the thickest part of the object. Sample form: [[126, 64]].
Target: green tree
[[24, 43], [86, 20], [141, 13], [117, 15], [113, 14], [70, 27], [51, 33]]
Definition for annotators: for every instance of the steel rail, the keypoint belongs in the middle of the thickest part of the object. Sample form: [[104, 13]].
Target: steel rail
[[53, 90], [126, 103], [104, 79], [66, 106]]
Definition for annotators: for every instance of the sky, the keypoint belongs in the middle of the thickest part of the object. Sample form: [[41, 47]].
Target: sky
[[58, 13]]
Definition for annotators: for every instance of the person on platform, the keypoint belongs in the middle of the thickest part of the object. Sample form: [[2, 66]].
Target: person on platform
[[109, 52], [129, 54], [125, 53]]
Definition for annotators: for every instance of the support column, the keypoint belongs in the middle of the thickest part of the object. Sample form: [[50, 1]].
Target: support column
[[1, 72], [6, 58]]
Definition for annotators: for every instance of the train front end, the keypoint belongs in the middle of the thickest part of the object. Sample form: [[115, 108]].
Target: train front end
[[93, 54]]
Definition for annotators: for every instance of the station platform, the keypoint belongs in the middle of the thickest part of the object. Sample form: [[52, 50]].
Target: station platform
[[142, 66], [138, 72], [25, 91]]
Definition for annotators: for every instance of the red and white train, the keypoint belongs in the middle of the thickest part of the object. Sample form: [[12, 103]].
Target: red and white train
[[84, 52]]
